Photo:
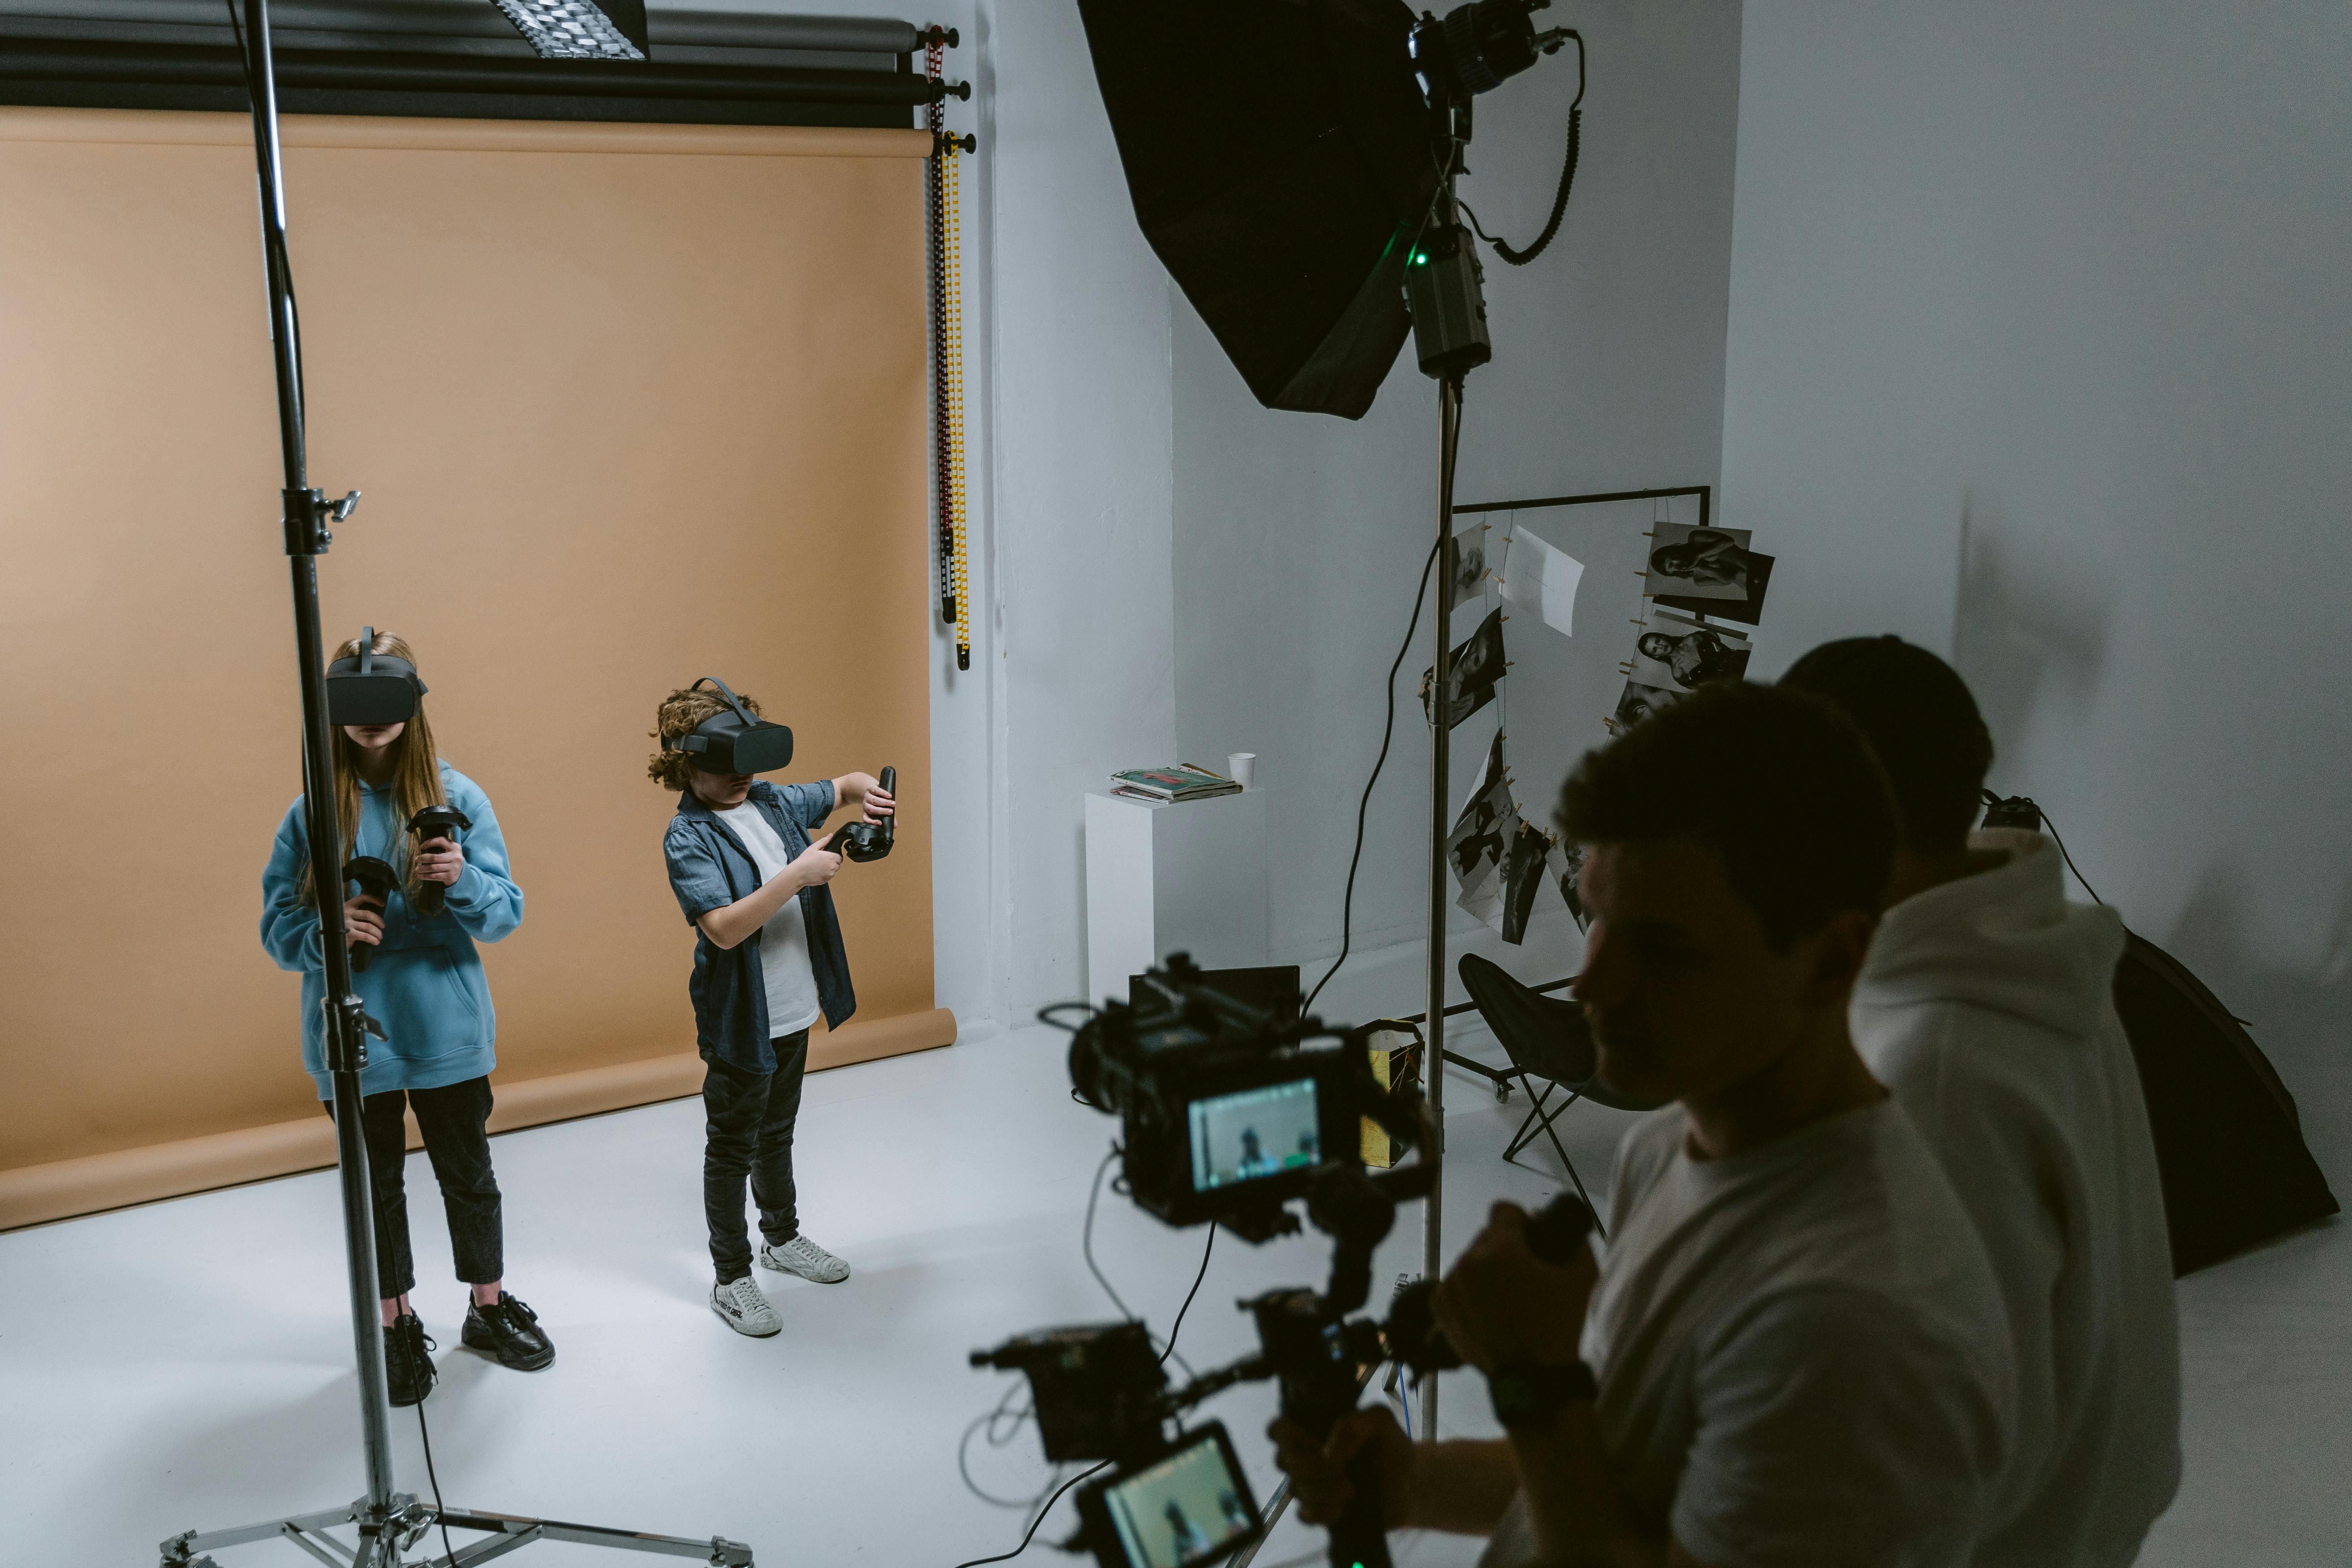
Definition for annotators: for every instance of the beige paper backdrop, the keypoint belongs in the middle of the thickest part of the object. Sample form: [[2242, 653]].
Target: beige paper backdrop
[[629, 406]]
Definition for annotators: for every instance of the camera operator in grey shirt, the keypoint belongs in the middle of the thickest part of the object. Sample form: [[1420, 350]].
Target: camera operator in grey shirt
[[1792, 1353]]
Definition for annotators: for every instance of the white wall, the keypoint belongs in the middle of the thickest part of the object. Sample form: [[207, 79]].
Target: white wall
[[2038, 357], [1297, 538]]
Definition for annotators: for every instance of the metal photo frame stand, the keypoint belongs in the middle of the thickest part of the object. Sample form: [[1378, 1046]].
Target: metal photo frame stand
[[388, 1522]]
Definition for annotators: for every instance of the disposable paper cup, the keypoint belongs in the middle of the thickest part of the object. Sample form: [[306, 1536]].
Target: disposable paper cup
[[1240, 765]]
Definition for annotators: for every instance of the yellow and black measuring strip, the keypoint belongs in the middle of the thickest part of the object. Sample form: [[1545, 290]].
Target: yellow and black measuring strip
[[947, 352]]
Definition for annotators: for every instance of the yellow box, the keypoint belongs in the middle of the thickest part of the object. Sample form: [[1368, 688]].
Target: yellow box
[[1396, 1047]]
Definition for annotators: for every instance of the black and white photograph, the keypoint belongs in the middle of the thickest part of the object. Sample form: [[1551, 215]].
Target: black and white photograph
[[1471, 674], [1638, 701], [1675, 652], [1564, 866], [1482, 833], [1470, 578], [1748, 611], [1696, 562], [1523, 877]]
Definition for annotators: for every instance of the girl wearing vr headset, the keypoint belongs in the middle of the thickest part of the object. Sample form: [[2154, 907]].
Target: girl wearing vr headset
[[767, 964], [423, 982]]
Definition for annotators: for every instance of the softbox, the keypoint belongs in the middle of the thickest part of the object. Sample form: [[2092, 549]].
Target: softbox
[[1282, 161]]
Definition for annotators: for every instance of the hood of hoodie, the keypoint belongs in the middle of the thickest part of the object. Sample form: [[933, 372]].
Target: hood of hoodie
[[2005, 939]]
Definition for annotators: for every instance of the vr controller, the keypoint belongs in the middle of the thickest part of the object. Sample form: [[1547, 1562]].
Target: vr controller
[[733, 742], [863, 841], [435, 822], [376, 880]]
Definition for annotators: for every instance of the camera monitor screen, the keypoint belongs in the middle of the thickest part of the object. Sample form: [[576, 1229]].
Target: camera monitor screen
[[1255, 1133], [1193, 1507]]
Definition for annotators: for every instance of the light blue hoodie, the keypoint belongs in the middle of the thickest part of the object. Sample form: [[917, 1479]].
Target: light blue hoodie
[[424, 982]]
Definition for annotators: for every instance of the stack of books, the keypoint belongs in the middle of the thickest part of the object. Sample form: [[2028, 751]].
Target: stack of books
[[1181, 781]]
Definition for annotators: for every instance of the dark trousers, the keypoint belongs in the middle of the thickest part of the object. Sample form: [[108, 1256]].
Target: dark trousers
[[748, 1121], [454, 1120]]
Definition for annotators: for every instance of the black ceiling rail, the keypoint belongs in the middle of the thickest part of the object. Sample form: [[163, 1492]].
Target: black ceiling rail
[[61, 61]]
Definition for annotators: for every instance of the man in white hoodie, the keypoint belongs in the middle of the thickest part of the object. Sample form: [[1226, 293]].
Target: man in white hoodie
[[1986, 1004]]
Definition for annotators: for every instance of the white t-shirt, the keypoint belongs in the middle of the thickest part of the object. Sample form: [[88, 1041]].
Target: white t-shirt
[[783, 941], [1988, 1006], [1800, 1351]]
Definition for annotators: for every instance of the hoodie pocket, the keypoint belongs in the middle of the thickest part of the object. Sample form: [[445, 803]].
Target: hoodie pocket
[[445, 963]]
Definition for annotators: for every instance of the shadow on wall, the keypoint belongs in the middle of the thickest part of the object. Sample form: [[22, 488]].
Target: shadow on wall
[[2026, 633], [2301, 1018]]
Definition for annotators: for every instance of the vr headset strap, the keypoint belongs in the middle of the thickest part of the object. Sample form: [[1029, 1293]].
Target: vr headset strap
[[731, 699]]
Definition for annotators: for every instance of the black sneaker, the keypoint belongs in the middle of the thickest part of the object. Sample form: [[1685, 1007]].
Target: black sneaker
[[409, 1372], [509, 1330]]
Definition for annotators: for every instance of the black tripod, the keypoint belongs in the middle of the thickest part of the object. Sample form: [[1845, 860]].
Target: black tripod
[[389, 1522]]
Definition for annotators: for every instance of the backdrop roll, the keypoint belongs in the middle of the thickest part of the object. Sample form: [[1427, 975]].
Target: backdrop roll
[[629, 405]]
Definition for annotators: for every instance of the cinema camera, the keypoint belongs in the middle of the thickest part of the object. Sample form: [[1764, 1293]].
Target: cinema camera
[[1226, 1114]]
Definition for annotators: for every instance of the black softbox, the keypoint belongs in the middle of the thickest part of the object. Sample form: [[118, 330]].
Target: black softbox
[[1282, 161]]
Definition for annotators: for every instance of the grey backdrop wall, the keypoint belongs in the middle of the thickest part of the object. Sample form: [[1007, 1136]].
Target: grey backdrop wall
[[2038, 357]]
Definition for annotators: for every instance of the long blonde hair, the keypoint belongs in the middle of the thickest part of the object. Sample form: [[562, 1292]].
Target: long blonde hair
[[415, 773]]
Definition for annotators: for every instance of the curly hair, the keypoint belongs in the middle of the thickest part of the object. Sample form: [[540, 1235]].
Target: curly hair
[[679, 713]]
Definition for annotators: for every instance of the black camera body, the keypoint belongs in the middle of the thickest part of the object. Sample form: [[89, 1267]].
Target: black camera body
[[1227, 1112]]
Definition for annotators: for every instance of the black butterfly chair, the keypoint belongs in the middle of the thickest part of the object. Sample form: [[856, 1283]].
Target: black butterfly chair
[[1546, 1040]]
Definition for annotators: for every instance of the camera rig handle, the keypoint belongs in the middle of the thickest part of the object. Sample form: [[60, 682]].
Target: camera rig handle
[[435, 822], [376, 880]]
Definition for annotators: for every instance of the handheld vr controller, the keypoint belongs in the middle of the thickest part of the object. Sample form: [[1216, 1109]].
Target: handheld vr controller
[[863, 841], [1227, 1113], [435, 822], [376, 880]]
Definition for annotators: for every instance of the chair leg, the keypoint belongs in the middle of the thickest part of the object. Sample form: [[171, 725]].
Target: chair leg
[[1527, 1132], [1538, 1112]]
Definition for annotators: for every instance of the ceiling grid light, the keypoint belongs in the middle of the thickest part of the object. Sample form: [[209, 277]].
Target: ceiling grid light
[[568, 30]]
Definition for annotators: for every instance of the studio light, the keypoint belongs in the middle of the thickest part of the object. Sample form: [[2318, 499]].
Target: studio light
[[1293, 165]]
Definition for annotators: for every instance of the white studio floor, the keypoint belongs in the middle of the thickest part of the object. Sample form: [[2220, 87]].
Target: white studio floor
[[185, 1364]]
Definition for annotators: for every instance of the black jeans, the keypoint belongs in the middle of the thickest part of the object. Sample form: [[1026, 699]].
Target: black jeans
[[748, 1121], [453, 1120]]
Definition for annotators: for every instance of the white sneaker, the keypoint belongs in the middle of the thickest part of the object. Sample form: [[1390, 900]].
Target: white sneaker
[[804, 1258], [742, 1307]]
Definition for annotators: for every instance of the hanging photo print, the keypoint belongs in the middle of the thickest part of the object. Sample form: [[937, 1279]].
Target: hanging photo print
[[1542, 580], [1639, 701], [1468, 579], [1471, 673], [1748, 609], [1482, 833], [1673, 651], [1696, 562], [1523, 877], [1564, 864]]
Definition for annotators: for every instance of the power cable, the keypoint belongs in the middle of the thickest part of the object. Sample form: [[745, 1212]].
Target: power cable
[[1503, 249], [1388, 734], [440, 1509], [2070, 861]]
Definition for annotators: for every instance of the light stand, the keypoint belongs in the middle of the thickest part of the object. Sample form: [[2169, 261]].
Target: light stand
[[1449, 326], [388, 1522]]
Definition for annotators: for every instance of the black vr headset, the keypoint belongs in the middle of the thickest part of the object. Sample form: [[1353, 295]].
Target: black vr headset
[[372, 687], [733, 742]]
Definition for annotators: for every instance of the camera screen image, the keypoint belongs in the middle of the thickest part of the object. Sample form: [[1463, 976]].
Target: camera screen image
[[1255, 1133], [1190, 1508]]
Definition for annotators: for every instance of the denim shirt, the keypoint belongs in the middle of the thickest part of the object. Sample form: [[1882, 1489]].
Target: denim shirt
[[709, 869]]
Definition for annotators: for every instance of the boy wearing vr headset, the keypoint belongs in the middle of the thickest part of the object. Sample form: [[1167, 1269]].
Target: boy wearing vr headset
[[768, 963]]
